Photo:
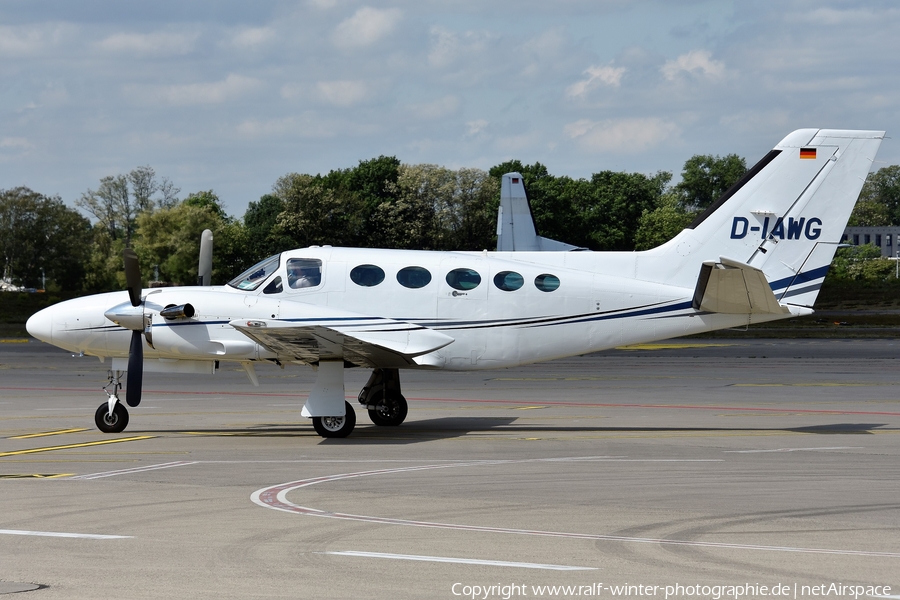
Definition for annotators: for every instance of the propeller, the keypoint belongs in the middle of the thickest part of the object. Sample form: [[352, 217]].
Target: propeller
[[132, 317]]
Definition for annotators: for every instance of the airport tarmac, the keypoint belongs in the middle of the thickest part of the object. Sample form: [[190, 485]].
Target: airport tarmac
[[691, 462]]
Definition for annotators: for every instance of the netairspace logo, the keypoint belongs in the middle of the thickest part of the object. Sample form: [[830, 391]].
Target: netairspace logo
[[694, 591]]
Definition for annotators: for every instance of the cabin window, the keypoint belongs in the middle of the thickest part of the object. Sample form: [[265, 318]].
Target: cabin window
[[274, 287], [508, 281], [463, 279], [304, 272], [253, 277], [413, 277], [367, 275], [546, 282]]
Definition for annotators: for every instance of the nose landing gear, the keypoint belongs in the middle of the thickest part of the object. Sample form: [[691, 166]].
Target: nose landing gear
[[111, 416]]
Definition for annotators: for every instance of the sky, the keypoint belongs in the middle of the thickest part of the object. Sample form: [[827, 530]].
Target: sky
[[229, 95]]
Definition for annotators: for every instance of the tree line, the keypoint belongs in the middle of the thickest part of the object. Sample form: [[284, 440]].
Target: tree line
[[379, 203]]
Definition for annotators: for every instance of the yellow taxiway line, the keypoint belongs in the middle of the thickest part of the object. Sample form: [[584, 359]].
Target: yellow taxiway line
[[46, 433], [81, 445]]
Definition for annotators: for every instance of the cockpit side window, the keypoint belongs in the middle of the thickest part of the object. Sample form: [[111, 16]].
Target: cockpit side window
[[274, 287], [304, 272], [253, 277]]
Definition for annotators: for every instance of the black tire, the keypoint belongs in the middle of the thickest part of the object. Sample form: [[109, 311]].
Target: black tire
[[111, 424], [336, 427], [390, 412]]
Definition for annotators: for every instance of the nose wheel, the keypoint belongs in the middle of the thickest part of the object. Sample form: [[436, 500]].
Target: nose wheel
[[116, 422], [111, 416]]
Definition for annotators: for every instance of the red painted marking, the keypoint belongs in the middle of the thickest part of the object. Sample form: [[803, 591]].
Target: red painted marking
[[821, 411], [268, 497]]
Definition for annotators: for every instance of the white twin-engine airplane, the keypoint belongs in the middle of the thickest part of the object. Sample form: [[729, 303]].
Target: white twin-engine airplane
[[760, 253]]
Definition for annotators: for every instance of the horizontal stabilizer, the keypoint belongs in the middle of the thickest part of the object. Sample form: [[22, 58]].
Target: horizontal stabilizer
[[732, 287], [375, 342]]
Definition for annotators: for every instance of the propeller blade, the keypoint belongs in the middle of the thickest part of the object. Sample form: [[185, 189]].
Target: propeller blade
[[135, 370], [204, 270], [132, 276]]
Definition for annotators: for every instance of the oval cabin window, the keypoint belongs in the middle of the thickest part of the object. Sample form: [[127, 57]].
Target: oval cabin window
[[508, 281], [463, 279], [367, 275], [546, 282], [413, 277]]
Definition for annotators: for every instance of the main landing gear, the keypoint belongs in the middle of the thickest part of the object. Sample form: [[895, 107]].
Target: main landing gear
[[381, 396], [111, 416]]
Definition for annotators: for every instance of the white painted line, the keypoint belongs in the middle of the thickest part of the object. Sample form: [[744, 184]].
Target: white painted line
[[275, 497], [169, 465], [461, 561], [84, 536], [795, 449]]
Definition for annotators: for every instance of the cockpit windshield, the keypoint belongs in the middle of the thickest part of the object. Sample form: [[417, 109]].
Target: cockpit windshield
[[255, 275]]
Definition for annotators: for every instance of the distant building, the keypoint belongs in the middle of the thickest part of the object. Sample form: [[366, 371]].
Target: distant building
[[887, 238]]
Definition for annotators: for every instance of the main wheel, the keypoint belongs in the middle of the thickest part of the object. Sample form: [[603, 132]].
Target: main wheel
[[114, 423], [336, 427], [390, 412]]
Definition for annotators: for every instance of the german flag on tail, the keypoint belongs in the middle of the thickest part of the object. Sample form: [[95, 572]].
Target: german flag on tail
[[808, 153]]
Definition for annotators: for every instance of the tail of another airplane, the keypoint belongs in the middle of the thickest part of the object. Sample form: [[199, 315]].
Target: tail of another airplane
[[781, 224], [515, 223]]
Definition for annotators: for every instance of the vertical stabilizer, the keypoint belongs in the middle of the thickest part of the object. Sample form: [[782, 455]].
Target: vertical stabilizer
[[515, 223], [785, 217]]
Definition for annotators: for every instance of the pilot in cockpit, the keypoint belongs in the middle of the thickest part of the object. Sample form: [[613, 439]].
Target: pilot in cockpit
[[302, 275]]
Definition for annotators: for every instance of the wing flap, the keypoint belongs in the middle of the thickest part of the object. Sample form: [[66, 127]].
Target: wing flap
[[373, 343]]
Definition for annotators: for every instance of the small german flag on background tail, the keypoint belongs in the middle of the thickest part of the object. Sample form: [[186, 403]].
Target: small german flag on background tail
[[808, 153]]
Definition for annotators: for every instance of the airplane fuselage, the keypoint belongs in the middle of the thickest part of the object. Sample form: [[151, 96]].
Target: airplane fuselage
[[509, 309]]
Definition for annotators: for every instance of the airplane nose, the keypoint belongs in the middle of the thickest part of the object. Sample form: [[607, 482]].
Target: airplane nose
[[40, 326]]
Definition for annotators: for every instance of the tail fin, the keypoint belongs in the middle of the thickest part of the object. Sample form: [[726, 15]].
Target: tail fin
[[515, 223], [785, 217]]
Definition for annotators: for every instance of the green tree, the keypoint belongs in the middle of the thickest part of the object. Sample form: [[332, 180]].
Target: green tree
[[317, 214], [260, 221], [705, 178], [883, 188], [41, 234], [169, 239], [661, 224], [861, 263], [205, 199], [869, 213]]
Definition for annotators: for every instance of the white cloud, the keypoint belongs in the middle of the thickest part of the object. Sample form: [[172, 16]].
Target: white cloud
[[475, 127], [158, 43], [253, 36], [626, 136], [448, 47], [437, 109], [601, 74], [15, 143], [322, 4], [31, 40], [365, 27], [214, 92], [695, 61], [343, 93]]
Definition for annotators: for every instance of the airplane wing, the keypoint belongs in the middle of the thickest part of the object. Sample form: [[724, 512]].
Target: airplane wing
[[375, 342], [733, 287]]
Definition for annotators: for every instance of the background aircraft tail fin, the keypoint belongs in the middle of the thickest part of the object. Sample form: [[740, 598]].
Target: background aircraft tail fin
[[785, 217], [515, 223]]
